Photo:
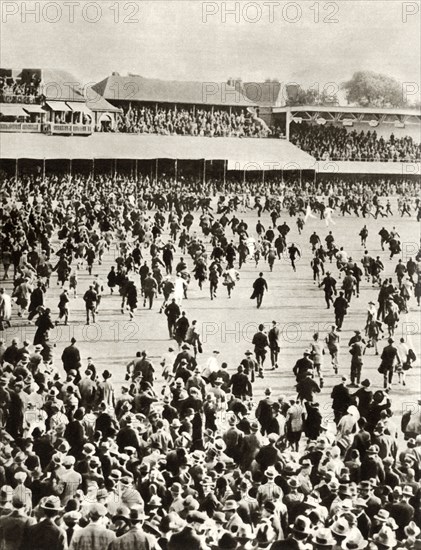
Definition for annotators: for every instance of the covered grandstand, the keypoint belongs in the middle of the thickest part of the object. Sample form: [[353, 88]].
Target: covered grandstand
[[358, 140], [241, 154], [383, 120], [137, 118]]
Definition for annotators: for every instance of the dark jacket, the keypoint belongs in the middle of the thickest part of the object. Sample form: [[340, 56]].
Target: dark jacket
[[259, 286], [45, 535], [306, 388], [389, 354], [70, 358], [340, 397]]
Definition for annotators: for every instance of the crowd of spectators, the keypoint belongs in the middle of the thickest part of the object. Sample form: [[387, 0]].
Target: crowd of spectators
[[14, 91], [328, 142], [180, 456], [190, 121]]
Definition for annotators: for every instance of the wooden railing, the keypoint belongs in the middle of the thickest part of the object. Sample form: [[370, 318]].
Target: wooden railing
[[20, 127], [68, 129], [48, 128]]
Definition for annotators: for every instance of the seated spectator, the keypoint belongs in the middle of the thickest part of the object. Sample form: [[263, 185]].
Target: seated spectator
[[336, 143], [142, 119]]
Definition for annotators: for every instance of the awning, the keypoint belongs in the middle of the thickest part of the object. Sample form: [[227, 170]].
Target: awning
[[32, 108], [241, 153], [12, 109], [59, 106], [77, 107]]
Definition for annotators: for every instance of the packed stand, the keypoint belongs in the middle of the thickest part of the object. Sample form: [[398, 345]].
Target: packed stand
[[14, 91], [330, 142], [141, 119]]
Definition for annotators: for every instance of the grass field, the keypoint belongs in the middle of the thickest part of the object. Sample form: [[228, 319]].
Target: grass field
[[228, 325]]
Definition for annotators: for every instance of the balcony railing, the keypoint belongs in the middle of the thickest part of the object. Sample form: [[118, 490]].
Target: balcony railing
[[20, 127], [68, 129], [48, 128], [6, 97]]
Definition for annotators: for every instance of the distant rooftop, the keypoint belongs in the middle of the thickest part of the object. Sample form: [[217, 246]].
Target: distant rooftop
[[138, 88]]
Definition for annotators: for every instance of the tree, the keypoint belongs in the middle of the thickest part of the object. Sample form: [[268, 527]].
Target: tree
[[370, 89], [311, 96]]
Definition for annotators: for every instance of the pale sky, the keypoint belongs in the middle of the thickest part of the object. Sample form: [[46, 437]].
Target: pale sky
[[194, 40]]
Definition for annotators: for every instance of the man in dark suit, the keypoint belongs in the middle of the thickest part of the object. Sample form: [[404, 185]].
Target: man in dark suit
[[91, 303], [37, 300], [402, 512], [293, 252], [261, 343], [273, 336], [340, 399], [329, 287], [240, 384], [363, 521], [71, 359], [389, 357], [303, 365], [259, 287], [46, 534], [14, 525], [264, 411], [173, 312], [127, 436], [340, 306], [307, 387]]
